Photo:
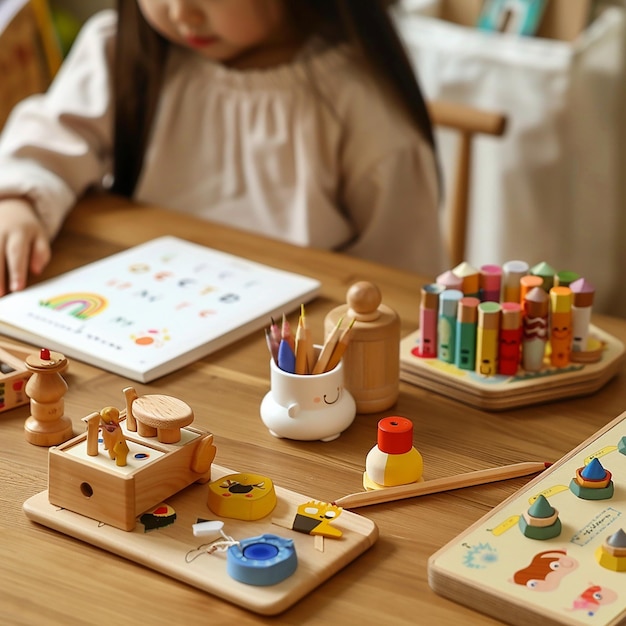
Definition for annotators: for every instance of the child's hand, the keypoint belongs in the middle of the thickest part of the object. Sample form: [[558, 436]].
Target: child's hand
[[24, 245]]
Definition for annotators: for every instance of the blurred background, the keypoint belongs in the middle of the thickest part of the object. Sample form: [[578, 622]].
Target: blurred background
[[553, 187]]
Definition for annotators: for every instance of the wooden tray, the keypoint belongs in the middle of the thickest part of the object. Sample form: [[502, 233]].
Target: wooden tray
[[173, 550], [477, 567], [496, 393]]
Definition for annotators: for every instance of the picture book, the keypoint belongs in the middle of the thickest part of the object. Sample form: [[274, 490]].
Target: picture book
[[154, 308]]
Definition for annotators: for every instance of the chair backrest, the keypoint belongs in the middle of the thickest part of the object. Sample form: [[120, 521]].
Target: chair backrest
[[29, 51], [467, 122]]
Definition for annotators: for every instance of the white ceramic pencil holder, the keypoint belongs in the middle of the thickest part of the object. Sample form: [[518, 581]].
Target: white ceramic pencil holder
[[307, 407]]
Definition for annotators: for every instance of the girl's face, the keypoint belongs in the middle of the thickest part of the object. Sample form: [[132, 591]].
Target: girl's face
[[238, 33]]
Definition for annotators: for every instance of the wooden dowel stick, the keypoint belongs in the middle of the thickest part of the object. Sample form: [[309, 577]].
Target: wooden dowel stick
[[480, 477]]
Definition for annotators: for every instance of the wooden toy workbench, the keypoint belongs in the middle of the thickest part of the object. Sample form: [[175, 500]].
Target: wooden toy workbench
[[93, 499], [571, 578]]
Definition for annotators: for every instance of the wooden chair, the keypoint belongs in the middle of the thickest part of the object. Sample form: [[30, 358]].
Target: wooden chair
[[467, 122], [30, 54]]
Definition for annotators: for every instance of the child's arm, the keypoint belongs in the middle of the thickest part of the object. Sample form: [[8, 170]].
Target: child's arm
[[24, 245], [53, 148]]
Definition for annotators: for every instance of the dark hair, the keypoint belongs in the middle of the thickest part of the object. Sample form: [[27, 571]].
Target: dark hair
[[141, 54]]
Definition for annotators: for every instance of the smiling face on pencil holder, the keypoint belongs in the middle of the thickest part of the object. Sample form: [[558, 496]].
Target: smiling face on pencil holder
[[307, 407]]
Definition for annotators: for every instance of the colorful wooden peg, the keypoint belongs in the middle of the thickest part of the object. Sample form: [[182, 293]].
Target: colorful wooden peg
[[592, 482], [560, 326], [612, 553], [393, 460], [541, 520]]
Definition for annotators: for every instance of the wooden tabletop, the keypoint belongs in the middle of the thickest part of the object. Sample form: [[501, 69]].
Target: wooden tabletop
[[46, 577]]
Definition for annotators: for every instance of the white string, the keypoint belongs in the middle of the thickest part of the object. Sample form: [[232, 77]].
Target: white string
[[220, 545]]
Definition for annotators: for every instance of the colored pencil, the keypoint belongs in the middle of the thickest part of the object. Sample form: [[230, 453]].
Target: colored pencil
[[286, 333], [271, 346], [275, 331], [301, 345], [286, 357], [310, 347], [327, 349], [341, 346], [437, 485]]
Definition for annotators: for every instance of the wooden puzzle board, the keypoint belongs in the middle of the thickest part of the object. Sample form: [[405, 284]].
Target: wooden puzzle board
[[497, 393], [172, 550], [477, 567]]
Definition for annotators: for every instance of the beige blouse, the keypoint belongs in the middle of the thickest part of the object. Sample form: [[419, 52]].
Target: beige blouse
[[312, 152]]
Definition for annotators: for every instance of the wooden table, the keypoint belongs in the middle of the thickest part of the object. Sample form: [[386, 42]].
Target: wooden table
[[49, 578]]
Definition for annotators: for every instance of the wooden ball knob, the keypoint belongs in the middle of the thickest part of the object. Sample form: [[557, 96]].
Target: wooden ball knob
[[363, 299]]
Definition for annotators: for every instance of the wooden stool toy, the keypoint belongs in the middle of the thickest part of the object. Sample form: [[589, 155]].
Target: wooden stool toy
[[132, 473], [541, 520], [592, 482], [47, 424], [157, 415], [612, 553], [372, 358]]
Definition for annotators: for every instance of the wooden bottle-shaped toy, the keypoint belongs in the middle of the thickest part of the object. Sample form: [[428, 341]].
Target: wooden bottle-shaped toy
[[47, 424], [372, 358], [393, 460]]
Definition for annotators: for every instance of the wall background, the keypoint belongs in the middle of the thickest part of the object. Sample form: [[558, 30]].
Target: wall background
[[82, 9]]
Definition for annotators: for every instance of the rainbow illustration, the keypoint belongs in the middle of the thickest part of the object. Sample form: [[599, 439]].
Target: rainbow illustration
[[77, 304]]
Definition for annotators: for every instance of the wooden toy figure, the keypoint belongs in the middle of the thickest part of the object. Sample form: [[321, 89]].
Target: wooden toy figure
[[47, 425], [372, 358], [393, 460], [113, 436]]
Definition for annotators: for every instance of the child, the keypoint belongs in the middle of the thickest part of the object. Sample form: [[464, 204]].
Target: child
[[297, 119]]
